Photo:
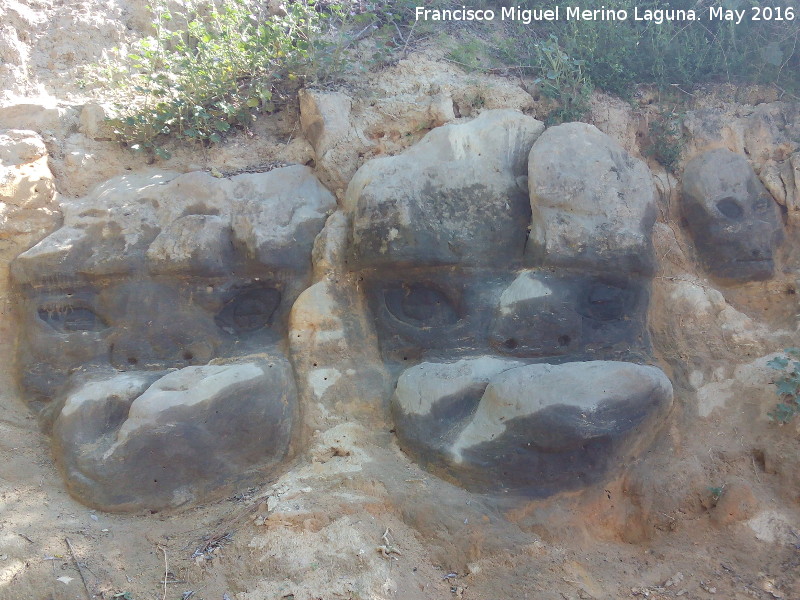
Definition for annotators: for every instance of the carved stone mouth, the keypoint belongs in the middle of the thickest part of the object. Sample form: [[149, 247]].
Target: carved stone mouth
[[496, 424], [141, 439]]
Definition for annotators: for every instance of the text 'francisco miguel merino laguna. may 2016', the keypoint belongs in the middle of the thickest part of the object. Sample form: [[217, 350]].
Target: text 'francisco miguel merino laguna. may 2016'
[[658, 16]]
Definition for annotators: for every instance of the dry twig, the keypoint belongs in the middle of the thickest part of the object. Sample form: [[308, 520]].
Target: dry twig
[[78, 566], [166, 571]]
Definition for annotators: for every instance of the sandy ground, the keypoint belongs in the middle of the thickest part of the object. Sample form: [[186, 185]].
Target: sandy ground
[[286, 540]]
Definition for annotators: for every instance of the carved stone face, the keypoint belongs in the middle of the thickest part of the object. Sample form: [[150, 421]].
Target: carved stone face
[[153, 332], [507, 315], [735, 223]]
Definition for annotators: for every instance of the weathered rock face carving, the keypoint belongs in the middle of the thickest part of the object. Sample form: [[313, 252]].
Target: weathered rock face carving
[[154, 324], [735, 223], [521, 299]]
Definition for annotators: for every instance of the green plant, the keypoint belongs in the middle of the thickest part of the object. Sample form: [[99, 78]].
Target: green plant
[[667, 139], [787, 386], [212, 67], [561, 78], [215, 71], [716, 493], [467, 54], [685, 50]]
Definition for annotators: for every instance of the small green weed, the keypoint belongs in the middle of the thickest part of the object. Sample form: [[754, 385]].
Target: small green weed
[[787, 386], [562, 79], [667, 139], [716, 493], [558, 75], [467, 54]]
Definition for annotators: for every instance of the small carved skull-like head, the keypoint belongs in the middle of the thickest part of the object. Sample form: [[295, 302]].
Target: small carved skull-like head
[[735, 224]]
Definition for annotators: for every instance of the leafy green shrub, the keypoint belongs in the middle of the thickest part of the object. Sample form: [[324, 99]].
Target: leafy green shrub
[[561, 78], [213, 65], [787, 386], [558, 75], [667, 140], [216, 73]]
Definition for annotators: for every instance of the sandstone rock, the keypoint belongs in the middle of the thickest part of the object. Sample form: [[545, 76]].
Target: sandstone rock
[[536, 429], [274, 216], [438, 235], [334, 351], [547, 314], [472, 99], [433, 401], [27, 189], [615, 117], [767, 131], [83, 163], [126, 443], [18, 147], [457, 196], [25, 179], [593, 204], [782, 180], [733, 220], [12, 50], [325, 119], [330, 247], [192, 244], [155, 271], [283, 212], [44, 116], [93, 122], [707, 325]]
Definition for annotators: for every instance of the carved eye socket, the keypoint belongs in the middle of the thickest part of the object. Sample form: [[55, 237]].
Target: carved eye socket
[[420, 305], [605, 302], [249, 310], [730, 208], [67, 319]]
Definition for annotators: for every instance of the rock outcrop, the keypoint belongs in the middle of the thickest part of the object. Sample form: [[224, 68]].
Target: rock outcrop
[[735, 223], [142, 315]]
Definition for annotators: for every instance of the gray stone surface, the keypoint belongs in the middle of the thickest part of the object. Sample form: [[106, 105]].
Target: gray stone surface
[[280, 214], [434, 401], [593, 204], [548, 314], [494, 425], [127, 441], [456, 197], [440, 242], [734, 222], [136, 223], [192, 244], [156, 271]]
